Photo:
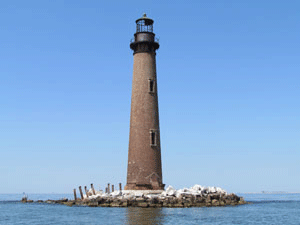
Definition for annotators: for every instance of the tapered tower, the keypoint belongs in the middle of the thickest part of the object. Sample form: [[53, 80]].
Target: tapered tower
[[144, 171]]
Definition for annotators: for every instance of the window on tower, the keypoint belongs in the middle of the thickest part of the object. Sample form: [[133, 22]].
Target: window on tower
[[151, 86], [153, 138]]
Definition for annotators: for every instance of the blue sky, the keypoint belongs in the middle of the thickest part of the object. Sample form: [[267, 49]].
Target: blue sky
[[228, 83]]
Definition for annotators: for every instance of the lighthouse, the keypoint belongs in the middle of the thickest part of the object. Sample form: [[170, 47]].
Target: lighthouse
[[144, 171]]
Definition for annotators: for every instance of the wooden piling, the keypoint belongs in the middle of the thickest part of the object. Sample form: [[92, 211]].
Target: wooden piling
[[112, 188], [108, 188], [120, 186], [92, 186], [86, 191], [75, 194], [81, 194]]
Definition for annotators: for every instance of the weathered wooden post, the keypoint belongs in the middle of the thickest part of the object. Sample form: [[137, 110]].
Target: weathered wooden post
[[75, 194], [120, 186], [108, 188], [81, 194], [92, 186], [86, 191], [112, 188]]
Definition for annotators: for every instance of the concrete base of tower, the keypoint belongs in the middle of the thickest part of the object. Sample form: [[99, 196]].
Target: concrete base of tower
[[144, 187]]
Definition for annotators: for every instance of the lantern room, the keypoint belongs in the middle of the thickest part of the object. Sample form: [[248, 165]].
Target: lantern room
[[144, 24]]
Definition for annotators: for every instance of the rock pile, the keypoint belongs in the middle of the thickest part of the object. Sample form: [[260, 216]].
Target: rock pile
[[196, 196]]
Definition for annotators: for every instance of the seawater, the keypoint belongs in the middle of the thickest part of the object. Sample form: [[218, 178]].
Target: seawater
[[264, 209]]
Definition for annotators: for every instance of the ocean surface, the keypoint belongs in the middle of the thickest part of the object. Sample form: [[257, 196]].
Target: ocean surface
[[264, 209]]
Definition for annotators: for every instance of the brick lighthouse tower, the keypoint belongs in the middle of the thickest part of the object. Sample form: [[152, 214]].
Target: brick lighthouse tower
[[144, 171]]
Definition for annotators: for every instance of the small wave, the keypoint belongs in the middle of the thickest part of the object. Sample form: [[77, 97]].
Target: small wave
[[272, 201], [8, 201]]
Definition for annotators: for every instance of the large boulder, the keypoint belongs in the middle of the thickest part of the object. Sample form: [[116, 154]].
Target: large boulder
[[170, 191]]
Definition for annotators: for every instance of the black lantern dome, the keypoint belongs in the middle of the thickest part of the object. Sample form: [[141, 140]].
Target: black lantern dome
[[144, 24]]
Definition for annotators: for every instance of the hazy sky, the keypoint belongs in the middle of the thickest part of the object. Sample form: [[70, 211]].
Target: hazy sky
[[228, 83]]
